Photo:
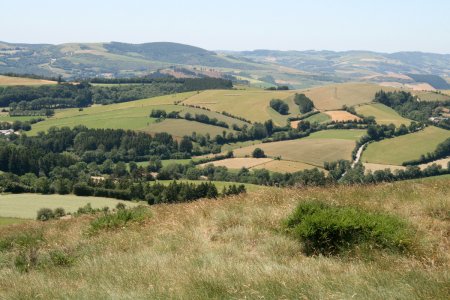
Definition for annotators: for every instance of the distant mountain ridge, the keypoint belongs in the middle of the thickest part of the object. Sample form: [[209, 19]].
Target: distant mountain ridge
[[259, 67]]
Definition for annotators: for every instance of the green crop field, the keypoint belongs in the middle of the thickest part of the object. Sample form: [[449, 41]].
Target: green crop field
[[180, 127], [252, 105], [432, 96], [382, 113], [331, 97], [4, 117], [319, 147], [397, 150], [134, 115], [318, 118], [25, 206]]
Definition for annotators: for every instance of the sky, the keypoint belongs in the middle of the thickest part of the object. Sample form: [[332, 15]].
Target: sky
[[377, 25]]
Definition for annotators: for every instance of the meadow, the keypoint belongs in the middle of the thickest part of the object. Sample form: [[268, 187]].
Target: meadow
[[134, 115], [407, 147], [319, 147], [432, 96], [252, 105], [25, 206], [382, 113], [236, 248], [333, 97]]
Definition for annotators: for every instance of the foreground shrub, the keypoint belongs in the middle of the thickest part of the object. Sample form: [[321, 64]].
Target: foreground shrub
[[331, 230], [118, 219], [45, 214], [28, 243]]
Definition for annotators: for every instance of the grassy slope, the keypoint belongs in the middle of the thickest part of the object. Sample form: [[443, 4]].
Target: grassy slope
[[235, 248], [329, 145], [26, 205], [8, 221], [319, 118], [252, 105], [331, 97], [382, 113], [432, 96], [135, 115], [397, 150]]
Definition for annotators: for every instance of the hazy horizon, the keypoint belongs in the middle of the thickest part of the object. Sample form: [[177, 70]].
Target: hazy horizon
[[235, 26]]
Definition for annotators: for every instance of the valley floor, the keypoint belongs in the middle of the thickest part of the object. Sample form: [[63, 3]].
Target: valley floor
[[235, 248]]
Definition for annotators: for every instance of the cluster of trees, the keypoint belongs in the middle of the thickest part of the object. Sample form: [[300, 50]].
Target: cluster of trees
[[64, 147], [21, 98], [202, 118], [151, 87], [442, 150], [409, 107], [19, 125], [280, 106], [304, 103], [278, 88]]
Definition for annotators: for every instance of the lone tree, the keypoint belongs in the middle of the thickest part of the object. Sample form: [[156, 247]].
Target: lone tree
[[258, 153]]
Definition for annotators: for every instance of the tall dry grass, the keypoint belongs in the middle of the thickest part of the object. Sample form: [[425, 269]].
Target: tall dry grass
[[234, 248]]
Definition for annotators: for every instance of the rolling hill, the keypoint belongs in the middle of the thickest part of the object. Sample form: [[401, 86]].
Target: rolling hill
[[262, 68]]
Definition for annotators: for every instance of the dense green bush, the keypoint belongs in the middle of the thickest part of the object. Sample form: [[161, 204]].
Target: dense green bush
[[45, 214], [331, 230]]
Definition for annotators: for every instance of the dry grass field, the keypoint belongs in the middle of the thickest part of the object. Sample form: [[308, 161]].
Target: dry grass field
[[239, 162], [341, 116], [284, 166], [235, 248], [332, 97], [9, 81], [432, 96], [382, 113]]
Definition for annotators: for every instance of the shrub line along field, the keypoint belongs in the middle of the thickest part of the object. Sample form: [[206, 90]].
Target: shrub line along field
[[403, 148]]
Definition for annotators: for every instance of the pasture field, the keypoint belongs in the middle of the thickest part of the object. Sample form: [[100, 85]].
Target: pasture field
[[319, 147], [239, 162], [397, 150], [333, 97], [236, 248], [25, 206], [237, 145], [10, 81], [447, 92], [134, 115], [4, 117], [341, 116], [180, 127], [317, 118], [374, 167], [382, 113], [284, 166], [252, 105], [432, 96]]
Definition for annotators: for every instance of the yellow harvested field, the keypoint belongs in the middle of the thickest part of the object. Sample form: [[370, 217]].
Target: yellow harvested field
[[9, 81], [284, 166], [332, 97], [341, 116], [239, 162], [252, 105]]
